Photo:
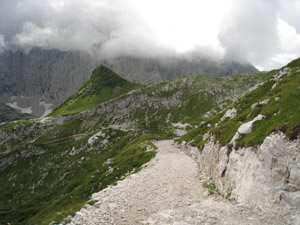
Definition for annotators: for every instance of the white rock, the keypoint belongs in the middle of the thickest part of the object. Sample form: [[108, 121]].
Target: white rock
[[230, 113], [277, 99], [108, 161], [259, 176], [264, 102], [92, 139], [246, 128], [254, 105], [205, 136], [180, 125]]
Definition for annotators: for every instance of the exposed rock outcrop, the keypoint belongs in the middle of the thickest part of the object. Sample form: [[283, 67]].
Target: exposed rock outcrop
[[169, 191], [41, 77], [264, 176]]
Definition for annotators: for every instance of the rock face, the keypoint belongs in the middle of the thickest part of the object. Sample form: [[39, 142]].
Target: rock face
[[263, 176], [43, 79], [149, 71]]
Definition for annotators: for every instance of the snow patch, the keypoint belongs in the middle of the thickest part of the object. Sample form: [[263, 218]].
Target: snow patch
[[23, 110], [47, 107]]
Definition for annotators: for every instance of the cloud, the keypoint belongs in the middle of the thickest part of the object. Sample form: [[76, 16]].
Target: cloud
[[259, 32], [289, 45], [262, 32], [249, 31], [289, 11], [289, 38], [78, 24], [113, 27]]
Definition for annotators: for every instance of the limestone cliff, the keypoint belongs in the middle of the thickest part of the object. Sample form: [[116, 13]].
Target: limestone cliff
[[43, 79], [267, 175]]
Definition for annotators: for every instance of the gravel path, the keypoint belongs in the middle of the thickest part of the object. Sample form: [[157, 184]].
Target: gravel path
[[167, 191]]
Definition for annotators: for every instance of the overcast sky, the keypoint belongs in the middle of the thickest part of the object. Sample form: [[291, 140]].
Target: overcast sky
[[265, 33]]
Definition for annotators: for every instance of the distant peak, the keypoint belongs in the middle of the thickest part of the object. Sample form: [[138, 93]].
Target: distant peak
[[104, 76]]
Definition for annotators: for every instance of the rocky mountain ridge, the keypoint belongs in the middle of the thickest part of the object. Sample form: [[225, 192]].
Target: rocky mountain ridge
[[40, 80]]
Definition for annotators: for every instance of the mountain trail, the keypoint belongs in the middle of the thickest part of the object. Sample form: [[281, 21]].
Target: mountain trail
[[168, 190]]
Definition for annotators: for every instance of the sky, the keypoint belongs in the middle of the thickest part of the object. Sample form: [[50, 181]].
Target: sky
[[265, 33]]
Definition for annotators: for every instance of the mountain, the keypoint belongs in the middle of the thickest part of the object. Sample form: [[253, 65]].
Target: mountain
[[153, 70], [44, 79], [73, 156], [243, 131], [256, 141], [103, 85], [9, 114], [41, 79]]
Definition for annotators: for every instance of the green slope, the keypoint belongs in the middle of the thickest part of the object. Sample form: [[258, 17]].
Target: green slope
[[103, 86], [282, 113], [61, 170]]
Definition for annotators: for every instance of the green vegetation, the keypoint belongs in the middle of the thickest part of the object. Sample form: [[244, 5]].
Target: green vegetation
[[294, 63], [50, 170], [194, 96], [103, 86], [212, 189], [63, 173], [195, 136], [282, 113], [14, 125]]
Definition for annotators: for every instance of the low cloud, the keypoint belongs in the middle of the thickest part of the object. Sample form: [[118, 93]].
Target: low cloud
[[249, 32], [258, 32], [262, 32]]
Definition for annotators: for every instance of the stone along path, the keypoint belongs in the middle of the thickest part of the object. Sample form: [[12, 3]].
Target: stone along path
[[167, 191]]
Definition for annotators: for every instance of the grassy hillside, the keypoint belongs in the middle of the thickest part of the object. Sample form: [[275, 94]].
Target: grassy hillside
[[55, 173], [277, 100], [103, 85], [188, 99]]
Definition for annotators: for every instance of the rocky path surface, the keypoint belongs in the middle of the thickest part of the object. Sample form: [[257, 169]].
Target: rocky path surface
[[167, 191]]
